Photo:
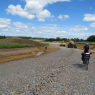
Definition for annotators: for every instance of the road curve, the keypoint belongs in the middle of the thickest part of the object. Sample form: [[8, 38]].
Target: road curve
[[57, 73]]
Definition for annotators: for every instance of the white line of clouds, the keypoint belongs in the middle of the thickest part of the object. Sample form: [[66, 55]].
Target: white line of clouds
[[78, 28], [63, 17]]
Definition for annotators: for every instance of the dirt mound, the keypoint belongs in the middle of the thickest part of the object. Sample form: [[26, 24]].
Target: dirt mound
[[7, 55], [22, 41]]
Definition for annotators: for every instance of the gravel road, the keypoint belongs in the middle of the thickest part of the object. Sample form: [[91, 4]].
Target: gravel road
[[57, 73]]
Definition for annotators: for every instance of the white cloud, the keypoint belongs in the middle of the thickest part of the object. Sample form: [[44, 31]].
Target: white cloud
[[60, 17], [41, 19], [17, 10], [44, 14], [4, 23], [33, 28], [20, 25], [61, 32], [5, 30], [89, 17], [16, 30], [92, 24], [3, 26], [52, 16], [55, 25], [66, 16], [32, 8], [78, 29]]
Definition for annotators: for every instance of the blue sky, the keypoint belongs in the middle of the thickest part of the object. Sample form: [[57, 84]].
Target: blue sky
[[47, 18]]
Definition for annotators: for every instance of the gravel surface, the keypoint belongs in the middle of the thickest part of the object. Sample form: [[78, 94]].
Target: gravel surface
[[57, 73]]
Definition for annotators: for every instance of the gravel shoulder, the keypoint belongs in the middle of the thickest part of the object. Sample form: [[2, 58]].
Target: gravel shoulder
[[60, 72]]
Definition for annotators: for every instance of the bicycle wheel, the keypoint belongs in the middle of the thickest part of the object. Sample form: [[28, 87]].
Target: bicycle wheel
[[87, 62]]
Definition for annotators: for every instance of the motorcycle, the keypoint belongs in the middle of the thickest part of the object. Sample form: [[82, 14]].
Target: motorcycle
[[86, 59]]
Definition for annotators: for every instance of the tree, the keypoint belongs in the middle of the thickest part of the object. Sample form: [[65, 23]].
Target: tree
[[91, 38], [81, 40], [58, 39], [2, 37]]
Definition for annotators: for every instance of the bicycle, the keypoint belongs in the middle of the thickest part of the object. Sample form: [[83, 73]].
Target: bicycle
[[86, 59]]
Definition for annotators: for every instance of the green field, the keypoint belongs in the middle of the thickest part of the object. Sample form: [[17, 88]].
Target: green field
[[5, 45], [90, 43]]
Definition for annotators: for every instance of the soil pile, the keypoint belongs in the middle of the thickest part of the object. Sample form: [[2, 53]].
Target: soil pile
[[12, 54], [22, 41], [7, 55]]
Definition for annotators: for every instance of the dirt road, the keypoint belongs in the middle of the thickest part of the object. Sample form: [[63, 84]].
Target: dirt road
[[57, 73]]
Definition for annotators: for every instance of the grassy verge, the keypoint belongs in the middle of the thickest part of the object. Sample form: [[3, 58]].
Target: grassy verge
[[46, 44], [91, 43], [38, 40], [5, 45]]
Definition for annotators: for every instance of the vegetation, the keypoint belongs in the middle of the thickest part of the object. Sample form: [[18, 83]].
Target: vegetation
[[4, 45], [2, 37], [91, 38], [46, 44], [91, 43], [39, 39], [65, 39]]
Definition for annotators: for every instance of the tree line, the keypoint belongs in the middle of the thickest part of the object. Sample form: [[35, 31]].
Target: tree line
[[65, 39], [89, 39], [2, 37]]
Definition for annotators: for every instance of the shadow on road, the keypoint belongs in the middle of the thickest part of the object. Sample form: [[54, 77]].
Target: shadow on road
[[79, 65]]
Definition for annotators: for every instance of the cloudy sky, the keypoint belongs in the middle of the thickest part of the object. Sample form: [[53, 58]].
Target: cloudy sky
[[47, 18]]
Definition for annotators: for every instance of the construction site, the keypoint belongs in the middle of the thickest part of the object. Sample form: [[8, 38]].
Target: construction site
[[7, 55]]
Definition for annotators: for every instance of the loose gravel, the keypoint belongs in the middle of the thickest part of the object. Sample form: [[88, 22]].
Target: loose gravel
[[57, 73]]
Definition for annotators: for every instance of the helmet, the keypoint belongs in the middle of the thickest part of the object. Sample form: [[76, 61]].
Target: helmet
[[87, 44]]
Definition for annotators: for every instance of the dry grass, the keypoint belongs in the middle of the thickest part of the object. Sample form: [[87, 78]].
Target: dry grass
[[7, 55], [80, 46]]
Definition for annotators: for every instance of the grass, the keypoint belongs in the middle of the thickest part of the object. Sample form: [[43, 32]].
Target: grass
[[38, 40], [91, 43], [46, 44], [5, 45]]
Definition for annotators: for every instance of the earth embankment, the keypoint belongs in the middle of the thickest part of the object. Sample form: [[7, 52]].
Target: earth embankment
[[7, 55]]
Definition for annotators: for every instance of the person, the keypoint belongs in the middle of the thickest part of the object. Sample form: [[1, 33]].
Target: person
[[86, 49]]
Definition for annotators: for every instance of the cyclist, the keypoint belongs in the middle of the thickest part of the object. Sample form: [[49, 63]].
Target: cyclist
[[86, 49]]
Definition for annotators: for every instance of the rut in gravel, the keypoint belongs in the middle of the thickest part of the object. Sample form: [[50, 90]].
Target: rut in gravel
[[57, 73]]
